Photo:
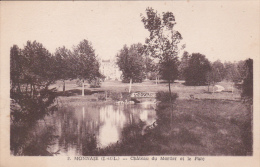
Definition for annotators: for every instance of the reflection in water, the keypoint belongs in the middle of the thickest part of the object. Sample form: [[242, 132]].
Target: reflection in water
[[112, 122], [83, 130]]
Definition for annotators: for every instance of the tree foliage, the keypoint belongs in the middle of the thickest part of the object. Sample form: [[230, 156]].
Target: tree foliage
[[184, 63], [219, 70], [247, 87], [32, 71], [64, 64], [32, 68], [162, 43], [131, 62], [196, 72], [85, 62]]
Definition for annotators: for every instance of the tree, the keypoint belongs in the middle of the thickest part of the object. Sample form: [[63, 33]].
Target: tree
[[85, 62], [63, 65], [216, 73], [183, 64], [247, 86], [162, 43], [31, 68], [196, 72], [16, 69], [131, 62], [232, 74], [219, 70]]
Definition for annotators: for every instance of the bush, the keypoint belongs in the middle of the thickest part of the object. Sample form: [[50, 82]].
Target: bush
[[165, 96], [101, 96], [115, 95], [95, 83]]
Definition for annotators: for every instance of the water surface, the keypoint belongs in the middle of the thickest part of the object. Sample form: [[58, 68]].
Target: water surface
[[82, 129]]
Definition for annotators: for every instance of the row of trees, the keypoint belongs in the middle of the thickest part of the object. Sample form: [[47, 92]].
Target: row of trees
[[159, 57], [34, 68]]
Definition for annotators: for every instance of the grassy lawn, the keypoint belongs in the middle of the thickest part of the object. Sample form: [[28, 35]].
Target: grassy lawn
[[219, 127], [184, 92]]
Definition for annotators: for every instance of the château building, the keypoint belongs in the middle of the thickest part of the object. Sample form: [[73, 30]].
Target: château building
[[110, 69]]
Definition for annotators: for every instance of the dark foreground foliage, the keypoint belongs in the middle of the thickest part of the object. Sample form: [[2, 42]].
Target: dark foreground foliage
[[166, 96]]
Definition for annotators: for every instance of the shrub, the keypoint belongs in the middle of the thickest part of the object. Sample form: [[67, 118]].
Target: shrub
[[95, 83], [115, 95], [101, 96], [165, 96]]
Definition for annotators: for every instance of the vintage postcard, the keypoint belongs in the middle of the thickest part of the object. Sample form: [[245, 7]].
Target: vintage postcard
[[129, 83]]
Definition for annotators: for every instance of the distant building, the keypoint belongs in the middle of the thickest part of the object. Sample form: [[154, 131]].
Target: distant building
[[110, 69]]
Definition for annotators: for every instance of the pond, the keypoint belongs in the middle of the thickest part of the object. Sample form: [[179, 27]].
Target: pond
[[78, 130]]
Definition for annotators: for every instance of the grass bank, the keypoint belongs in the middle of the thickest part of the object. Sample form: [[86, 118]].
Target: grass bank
[[184, 92]]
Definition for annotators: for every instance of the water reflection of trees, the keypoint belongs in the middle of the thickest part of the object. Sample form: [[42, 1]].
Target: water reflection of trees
[[31, 101], [83, 130], [91, 130], [78, 129]]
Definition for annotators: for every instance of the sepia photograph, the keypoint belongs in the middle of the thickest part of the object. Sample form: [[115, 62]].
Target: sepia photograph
[[129, 80]]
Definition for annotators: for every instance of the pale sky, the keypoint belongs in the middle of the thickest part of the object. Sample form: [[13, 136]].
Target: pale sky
[[225, 30]]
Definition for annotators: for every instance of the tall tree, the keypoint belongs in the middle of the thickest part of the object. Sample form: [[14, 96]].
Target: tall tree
[[16, 68], [216, 74], [32, 71], [85, 62], [231, 72], [37, 67], [247, 87], [219, 70], [130, 61], [184, 63], [163, 42], [196, 72], [63, 65]]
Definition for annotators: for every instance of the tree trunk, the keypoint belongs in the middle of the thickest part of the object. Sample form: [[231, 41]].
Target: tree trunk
[[170, 89], [26, 88], [63, 86], [31, 90], [169, 81], [83, 88], [130, 86]]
